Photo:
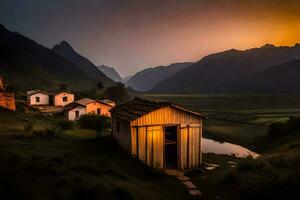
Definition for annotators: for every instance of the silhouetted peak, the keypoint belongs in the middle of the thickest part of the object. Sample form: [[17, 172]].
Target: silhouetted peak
[[106, 66], [2, 27], [64, 45], [267, 46], [297, 45]]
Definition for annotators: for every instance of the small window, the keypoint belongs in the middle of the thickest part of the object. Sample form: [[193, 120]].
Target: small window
[[65, 99], [77, 114], [118, 126], [37, 99], [98, 111]]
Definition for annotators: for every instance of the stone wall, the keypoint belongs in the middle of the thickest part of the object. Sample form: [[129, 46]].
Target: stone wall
[[7, 100]]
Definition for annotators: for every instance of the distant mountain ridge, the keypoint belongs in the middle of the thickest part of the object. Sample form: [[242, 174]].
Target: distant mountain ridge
[[150, 77], [111, 73], [277, 79], [65, 50], [28, 65], [215, 72]]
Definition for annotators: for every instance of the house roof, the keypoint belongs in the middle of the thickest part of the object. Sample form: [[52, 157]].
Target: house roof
[[73, 105], [83, 103], [139, 107], [57, 93], [32, 92], [107, 101]]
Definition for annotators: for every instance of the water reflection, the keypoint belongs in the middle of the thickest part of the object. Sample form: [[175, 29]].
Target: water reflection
[[225, 148]]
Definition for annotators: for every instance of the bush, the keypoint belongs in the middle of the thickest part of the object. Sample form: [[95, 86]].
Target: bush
[[279, 129], [94, 122], [28, 128], [46, 133], [65, 125], [276, 130]]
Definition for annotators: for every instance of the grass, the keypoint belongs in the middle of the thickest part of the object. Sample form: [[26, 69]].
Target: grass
[[16, 121], [73, 164], [76, 168], [272, 176]]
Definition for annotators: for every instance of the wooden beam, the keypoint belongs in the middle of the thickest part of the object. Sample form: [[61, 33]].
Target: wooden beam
[[188, 146], [178, 148]]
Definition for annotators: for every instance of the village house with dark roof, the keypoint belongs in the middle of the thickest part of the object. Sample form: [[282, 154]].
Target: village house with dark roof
[[87, 106]]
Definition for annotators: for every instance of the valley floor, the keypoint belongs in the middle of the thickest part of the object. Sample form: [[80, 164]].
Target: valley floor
[[75, 165]]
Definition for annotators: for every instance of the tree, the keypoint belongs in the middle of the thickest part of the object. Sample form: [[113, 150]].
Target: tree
[[98, 123], [100, 86], [117, 93], [63, 87]]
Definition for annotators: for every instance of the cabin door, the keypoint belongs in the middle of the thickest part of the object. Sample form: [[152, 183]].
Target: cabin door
[[171, 149]]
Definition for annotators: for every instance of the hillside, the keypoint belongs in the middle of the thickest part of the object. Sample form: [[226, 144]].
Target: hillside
[[213, 72], [279, 78], [28, 65], [65, 50], [49, 164], [150, 77], [111, 73]]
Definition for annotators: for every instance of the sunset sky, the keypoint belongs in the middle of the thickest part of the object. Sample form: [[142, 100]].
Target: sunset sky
[[133, 34]]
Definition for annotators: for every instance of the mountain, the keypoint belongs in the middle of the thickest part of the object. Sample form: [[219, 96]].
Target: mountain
[[111, 73], [150, 77], [28, 65], [279, 78], [215, 71], [127, 78], [65, 50]]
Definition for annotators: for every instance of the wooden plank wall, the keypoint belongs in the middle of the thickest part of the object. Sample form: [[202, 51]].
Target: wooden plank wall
[[183, 146], [147, 133], [190, 146], [124, 136], [148, 145], [194, 146]]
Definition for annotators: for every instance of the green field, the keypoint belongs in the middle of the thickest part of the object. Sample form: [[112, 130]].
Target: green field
[[237, 118]]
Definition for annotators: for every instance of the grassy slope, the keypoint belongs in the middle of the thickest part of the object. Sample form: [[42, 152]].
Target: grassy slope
[[73, 166]]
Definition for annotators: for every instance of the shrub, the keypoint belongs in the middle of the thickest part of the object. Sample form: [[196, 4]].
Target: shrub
[[65, 125], [28, 128], [46, 133], [94, 122], [279, 129]]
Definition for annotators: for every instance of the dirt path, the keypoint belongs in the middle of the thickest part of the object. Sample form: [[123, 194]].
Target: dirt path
[[192, 188]]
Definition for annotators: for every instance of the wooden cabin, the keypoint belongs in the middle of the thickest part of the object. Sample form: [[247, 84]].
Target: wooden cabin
[[161, 134], [63, 98], [87, 106]]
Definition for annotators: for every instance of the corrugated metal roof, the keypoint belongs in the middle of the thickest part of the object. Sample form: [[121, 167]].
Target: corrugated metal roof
[[139, 107]]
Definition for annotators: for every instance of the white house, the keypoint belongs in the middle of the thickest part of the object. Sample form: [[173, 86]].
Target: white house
[[38, 97], [63, 98], [87, 106]]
